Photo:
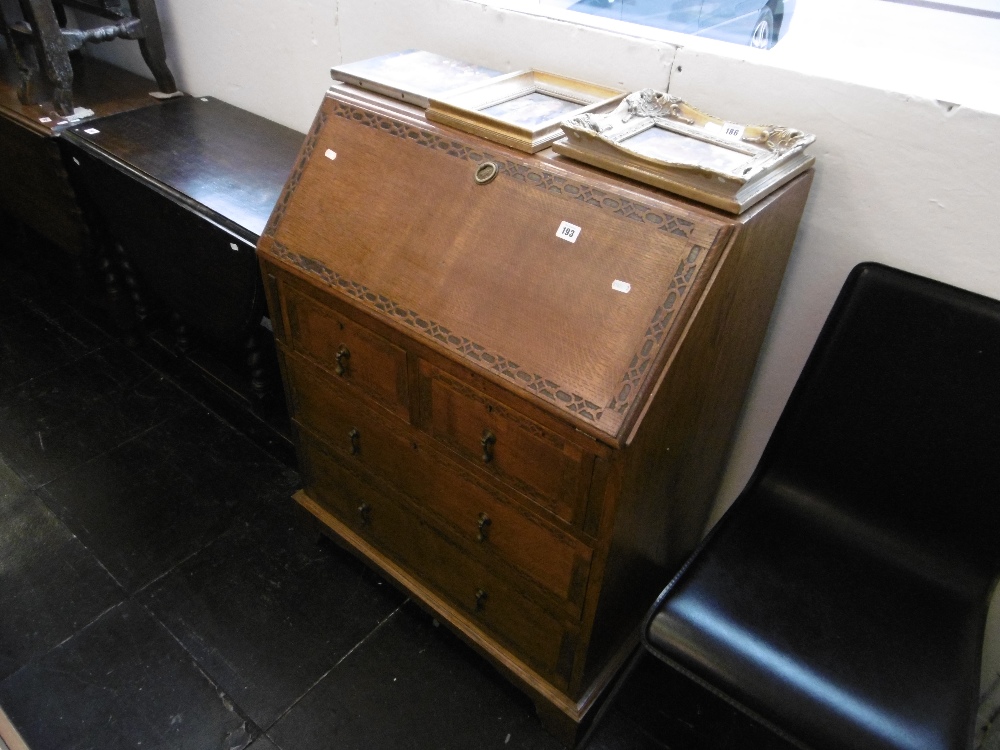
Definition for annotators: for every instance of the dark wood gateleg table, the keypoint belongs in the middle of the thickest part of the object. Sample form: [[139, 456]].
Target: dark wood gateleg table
[[185, 189]]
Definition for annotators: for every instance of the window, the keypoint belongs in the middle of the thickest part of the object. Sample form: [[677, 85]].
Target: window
[[947, 50]]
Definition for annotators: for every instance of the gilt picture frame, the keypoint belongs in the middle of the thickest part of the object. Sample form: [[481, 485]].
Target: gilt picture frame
[[660, 140], [522, 110]]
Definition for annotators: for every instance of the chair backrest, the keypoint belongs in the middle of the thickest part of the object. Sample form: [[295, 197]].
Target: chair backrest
[[895, 421]]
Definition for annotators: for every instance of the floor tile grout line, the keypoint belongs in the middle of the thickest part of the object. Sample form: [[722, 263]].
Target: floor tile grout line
[[50, 317], [340, 661], [220, 690], [209, 408], [79, 466], [38, 657], [212, 411], [43, 373], [146, 586]]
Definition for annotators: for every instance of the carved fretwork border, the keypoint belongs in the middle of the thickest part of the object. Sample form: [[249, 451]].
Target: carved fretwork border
[[680, 284], [530, 175], [576, 404], [307, 150]]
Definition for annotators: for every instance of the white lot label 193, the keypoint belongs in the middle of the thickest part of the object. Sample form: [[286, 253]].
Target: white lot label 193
[[568, 232]]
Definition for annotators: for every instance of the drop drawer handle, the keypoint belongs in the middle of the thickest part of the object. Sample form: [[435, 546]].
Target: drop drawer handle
[[355, 437], [342, 356], [365, 511], [488, 441], [483, 524], [481, 596]]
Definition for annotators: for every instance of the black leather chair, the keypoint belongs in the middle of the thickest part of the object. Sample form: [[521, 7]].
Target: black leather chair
[[842, 599]]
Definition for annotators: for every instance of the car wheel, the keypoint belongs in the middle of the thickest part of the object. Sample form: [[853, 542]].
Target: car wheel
[[763, 31]]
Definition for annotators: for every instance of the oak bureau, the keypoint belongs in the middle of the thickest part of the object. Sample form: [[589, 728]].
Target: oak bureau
[[522, 431]]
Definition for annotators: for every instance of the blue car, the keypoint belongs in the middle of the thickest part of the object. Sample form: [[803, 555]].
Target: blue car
[[758, 23]]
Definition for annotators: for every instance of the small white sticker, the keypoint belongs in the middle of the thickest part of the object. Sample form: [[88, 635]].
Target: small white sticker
[[204, 98], [234, 246], [621, 286], [91, 131], [45, 119], [568, 232], [76, 161], [331, 154], [733, 130]]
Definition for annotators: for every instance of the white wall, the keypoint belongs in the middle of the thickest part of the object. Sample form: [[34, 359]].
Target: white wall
[[908, 182]]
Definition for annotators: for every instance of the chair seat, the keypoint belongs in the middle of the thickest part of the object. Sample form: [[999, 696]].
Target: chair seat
[[805, 651], [842, 599]]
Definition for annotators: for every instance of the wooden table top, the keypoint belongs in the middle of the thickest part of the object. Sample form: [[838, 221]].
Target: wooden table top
[[221, 161], [97, 86]]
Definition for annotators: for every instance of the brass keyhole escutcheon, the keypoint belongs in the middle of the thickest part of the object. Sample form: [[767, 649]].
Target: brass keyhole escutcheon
[[488, 441], [342, 356], [355, 438], [481, 597], [483, 524], [486, 172], [365, 511]]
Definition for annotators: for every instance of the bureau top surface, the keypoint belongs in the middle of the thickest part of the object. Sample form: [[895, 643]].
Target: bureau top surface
[[230, 161], [105, 89], [384, 209]]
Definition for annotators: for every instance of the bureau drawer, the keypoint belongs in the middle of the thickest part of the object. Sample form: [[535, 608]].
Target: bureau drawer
[[476, 512], [359, 358], [432, 558], [537, 462]]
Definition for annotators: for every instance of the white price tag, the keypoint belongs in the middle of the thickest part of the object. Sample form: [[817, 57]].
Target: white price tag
[[568, 232], [331, 154], [91, 131], [621, 286], [45, 119], [733, 131], [235, 247]]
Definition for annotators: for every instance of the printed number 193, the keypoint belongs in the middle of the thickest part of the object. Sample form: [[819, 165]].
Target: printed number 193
[[568, 232]]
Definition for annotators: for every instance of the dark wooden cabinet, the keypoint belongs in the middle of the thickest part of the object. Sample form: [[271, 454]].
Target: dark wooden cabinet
[[185, 189], [525, 433]]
